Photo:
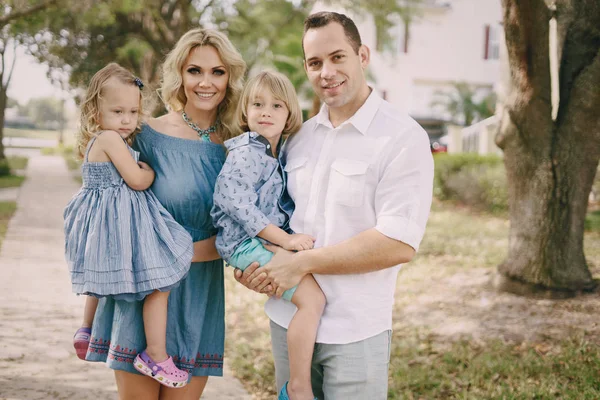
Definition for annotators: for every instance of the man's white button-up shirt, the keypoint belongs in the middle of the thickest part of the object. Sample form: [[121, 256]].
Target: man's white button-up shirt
[[375, 170]]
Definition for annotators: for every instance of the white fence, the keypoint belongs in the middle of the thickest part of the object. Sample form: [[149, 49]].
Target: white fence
[[477, 138]]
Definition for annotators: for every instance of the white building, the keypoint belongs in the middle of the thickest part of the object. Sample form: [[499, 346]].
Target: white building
[[449, 41]]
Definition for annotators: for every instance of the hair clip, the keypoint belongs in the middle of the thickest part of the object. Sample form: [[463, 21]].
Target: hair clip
[[138, 82]]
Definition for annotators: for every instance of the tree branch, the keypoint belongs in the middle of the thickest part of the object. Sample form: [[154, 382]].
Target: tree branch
[[166, 35], [584, 105], [171, 10], [206, 7], [4, 39], [5, 19], [137, 26], [526, 28], [581, 44], [14, 60], [2, 72]]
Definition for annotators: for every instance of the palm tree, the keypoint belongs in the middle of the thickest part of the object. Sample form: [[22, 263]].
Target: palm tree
[[460, 103]]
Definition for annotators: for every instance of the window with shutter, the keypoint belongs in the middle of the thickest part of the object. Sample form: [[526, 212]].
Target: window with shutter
[[491, 48]]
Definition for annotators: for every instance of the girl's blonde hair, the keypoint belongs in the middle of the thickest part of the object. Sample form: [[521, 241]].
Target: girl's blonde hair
[[90, 108], [172, 91], [281, 88]]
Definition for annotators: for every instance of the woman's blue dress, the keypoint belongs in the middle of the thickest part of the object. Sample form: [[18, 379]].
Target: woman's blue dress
[[186, 171]]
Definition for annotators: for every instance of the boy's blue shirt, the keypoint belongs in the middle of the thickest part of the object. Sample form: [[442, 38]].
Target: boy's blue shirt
[[249, 192]]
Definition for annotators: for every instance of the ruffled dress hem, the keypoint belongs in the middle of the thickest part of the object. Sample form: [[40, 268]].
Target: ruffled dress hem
[[129, 291], [121, 358]]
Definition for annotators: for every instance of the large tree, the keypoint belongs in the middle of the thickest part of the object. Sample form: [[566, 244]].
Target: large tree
[[16, 10], [550, 162], [138, 34]]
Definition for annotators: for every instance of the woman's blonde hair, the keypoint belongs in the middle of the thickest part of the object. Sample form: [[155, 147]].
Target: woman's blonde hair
[[90, 107], [281, 88], [172, 91]]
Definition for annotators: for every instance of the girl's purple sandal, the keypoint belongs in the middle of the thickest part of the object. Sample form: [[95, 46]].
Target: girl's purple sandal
[[166, 373], [81, 342]]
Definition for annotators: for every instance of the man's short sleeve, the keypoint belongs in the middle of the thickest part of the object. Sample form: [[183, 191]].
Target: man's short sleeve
[[404, 191]]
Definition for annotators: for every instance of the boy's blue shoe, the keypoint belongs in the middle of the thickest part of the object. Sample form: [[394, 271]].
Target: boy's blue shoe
[[283, 395]]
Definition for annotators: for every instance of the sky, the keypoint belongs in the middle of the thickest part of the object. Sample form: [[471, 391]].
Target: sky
[[29, 79]]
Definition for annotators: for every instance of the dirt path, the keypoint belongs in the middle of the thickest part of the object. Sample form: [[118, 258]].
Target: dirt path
[[38, 312], [465, 305]]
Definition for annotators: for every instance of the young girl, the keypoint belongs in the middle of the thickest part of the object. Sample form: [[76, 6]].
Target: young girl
[[119, 240], [251, 206]]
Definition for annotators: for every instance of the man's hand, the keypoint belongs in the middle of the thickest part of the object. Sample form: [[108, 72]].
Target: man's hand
[[259, 283], [283, 271], [299, 242]]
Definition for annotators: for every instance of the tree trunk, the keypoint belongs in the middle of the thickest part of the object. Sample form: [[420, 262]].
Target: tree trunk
[[550, 164], [3, 99]]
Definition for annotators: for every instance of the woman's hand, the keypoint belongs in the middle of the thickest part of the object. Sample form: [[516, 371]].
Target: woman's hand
[[144, 166], [205, 250]]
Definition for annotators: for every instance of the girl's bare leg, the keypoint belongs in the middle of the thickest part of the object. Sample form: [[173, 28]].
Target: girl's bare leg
[[192, 391], [89, 311], [155, 325], [301, 336], [136, 387]]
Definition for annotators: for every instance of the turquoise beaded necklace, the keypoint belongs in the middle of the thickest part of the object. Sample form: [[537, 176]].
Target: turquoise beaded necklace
[[203, 134]]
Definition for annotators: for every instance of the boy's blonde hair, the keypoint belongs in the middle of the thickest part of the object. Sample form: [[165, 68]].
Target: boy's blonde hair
[[281, 88], [90, 107], [172, 91]]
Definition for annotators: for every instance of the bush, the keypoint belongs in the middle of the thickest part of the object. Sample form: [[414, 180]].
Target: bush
[[596, 186], [4, 168], [592, 221], [473, 180]]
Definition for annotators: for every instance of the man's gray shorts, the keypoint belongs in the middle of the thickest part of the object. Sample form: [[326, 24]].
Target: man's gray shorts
[[354, 371]]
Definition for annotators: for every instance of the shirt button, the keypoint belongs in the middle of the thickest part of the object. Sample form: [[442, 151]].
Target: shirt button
[[268, 146]]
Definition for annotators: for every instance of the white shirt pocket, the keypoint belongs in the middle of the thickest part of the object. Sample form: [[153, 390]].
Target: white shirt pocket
[[297, 175], [347, 182]]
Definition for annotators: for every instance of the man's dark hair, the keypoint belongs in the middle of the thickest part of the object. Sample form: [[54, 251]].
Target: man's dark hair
[[324, 18]]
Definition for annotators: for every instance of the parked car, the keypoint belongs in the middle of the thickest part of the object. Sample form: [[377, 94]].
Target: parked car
[[438, 146], [437, 132]]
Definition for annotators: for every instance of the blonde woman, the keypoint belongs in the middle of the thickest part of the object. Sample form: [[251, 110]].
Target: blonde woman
[[202, 81]]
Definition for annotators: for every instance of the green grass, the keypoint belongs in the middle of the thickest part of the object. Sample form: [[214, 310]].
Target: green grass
[[72, 163], [459, 246], [248, 341], [64, 149], [30, 133], [17, 162], [68, 137], [592, 221], [7, 209], [424, 369], [68, 153], [11, 181], [48, 151]]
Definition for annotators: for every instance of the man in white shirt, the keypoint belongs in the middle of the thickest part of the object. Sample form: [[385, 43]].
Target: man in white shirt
[[361, 175]]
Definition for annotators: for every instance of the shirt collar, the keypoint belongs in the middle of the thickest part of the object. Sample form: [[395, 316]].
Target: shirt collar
[[361, 119], [265, 142]]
